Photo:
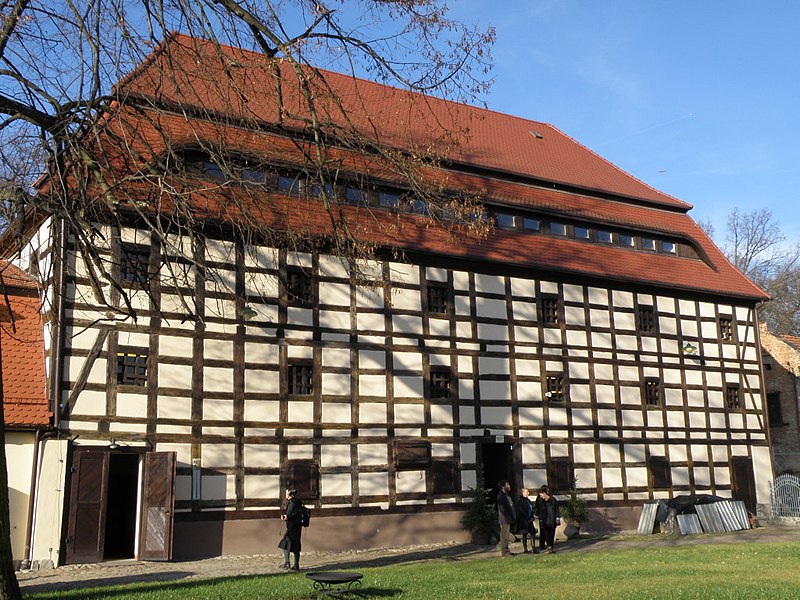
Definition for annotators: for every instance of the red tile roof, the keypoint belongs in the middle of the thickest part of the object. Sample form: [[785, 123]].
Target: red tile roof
[[502, 155], [22, 346]]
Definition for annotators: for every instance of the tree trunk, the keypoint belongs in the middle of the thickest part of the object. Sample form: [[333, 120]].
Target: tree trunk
[[9, 587]]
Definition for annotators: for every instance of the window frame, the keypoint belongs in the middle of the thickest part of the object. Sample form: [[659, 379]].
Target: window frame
[[441, 383], [550, 312], [660, 471], [303, 476], [733, 397], [301, 371], [652, 392], [140, 359], [725, 328], [555, 385], [646, 319], [445, 301], [560, 474], [775, 417], [134, 264], [300, 280]]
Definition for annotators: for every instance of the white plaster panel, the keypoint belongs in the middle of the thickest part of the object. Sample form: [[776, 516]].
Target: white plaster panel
[[261, 382], [573, 293], [599, 317], [624, 321], [583, 453], [527, 368], [533, 454], [736, 421], [334, 319], [262, 455], [262, 486], [406, 324], [628, 373], [404, 299], [495, 390], [300, 316], [629, 394], [531, 416], [461, 305], [496, 416], [636, 476], [526, 335], [491, 365], [410, 482], [217, 487], [441, 414], [574, 315], [622, 299], [490, 284], [217, 350], [218, 455], [336, 412], [522, 287], [407, 361], [577, 338], [557, 416], [97, 374], [612, 478], [492, 308], [217, 409], [174, 376], [675, 419], [465, 389], [371, 412], [175, 346], [439, 327], [90, 403], [697, 419], [552, 336], [465, 364], [460, 280], [578, 371], [549, 287], [373, 484], [333, 266], [336, 357], [523, 311], [582, 417], [606, 417], [404, 273], [627, 342], [172, 407], [372, 455], [601, 339], [372, 385], [217, 379], [301, 412], [408, 387], [334, 293], [409, 413], [335, 484], [261, 410], [370, 322], [369, 297], [632, 418], [708, 309], [439, 360], [372, 359], [335, 455]]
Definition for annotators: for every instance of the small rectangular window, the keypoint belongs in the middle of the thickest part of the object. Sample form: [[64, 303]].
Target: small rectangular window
[[212, 170], [652, 391], [388, 200], [668, 247], [317, 189], [648, 244], [555, 388], [530, 224], [604, 237], [134, 264], [504, 220], [558, 228], [357, 196], [300, 379], [733, 397], [726, 328], [132, 367], [646, 319], [438, 298], [549, 309], [774, 409], [626, 240], [288, 184], [441, 383], [253, 176], [420, 206], [412, 454], [299, 288], [660, 472], [581, 233]]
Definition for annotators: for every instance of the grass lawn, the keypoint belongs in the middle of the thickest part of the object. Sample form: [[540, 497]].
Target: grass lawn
[[763, 570]]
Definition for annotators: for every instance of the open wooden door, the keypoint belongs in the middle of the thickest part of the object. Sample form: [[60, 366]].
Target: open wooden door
[[87, 506], [158, 500]]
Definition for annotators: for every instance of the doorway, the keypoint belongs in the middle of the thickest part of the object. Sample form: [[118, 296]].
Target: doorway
[[123, 482], [498, 464]]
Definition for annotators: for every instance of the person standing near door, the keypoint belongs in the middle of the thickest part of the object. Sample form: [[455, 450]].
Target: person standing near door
[[290, 542], [525, 526], [546, 508], [506, 515]]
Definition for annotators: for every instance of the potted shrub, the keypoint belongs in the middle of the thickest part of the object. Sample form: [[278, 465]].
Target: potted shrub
[[480, 518], [574, 511]]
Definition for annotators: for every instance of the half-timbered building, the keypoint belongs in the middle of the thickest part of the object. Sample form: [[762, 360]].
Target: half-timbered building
[[595, 333]]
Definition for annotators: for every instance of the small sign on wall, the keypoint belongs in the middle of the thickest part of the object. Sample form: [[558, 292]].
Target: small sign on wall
[[197, 472], [500, 439]]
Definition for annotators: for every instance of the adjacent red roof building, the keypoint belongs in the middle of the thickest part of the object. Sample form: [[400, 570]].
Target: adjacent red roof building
[[22, 351]]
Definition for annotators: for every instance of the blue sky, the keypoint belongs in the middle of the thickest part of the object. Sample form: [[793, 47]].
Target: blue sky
[[698, 99]]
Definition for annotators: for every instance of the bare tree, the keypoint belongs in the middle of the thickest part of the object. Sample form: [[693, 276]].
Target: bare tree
[[757, 246], [92, 100]]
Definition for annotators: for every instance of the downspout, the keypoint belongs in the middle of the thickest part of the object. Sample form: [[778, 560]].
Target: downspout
[[41, 437], [56, 356]]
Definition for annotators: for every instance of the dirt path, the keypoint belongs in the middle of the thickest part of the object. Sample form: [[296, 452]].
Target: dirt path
[[131, 571]]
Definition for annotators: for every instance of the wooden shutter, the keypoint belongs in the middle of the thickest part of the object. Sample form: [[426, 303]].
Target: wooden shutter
[[303, 476], [560, 474], [660, 473], [412, 454], [444, 474], [87, 506], [158, 501]]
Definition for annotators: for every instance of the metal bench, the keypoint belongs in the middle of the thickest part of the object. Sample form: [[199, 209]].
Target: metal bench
[[336, 583]]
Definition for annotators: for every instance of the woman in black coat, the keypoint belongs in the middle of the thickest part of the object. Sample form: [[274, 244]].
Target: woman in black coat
[[525, 526], [546, 508], [294, 527]]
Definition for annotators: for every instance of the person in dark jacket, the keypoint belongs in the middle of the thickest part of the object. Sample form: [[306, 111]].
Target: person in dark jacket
[[546, 508], [506, 515], [525, 526], [294, 527]]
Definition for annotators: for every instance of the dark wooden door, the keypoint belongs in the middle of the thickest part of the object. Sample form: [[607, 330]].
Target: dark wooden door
[[744, 484], [87, 506], [158, 501]]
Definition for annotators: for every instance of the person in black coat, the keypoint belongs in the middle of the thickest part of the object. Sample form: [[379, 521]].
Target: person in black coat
[[525, 526], [546, 508], [294, 527]]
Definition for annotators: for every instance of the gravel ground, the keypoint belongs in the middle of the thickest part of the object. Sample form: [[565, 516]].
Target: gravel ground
[[131, 571]]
